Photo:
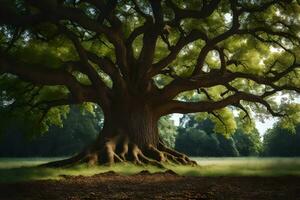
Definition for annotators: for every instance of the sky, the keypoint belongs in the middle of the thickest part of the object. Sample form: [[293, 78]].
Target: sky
[[262, 127]]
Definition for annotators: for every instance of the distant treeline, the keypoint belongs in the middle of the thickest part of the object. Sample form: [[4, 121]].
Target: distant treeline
[[199, 139], [191, 137], [79, 129]]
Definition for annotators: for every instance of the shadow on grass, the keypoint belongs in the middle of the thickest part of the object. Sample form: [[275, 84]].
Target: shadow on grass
[[26, 174]]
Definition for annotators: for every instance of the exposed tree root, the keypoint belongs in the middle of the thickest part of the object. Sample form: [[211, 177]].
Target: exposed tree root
[[67, 162], [119, 149]]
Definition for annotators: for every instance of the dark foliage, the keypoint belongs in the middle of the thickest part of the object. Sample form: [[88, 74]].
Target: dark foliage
[[281, 142], [79, 130], [199, 139]]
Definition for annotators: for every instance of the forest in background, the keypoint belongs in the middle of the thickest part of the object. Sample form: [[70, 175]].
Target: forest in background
[[193, 136]]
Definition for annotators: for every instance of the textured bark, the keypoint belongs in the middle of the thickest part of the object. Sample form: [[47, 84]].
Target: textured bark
[[130, 133]]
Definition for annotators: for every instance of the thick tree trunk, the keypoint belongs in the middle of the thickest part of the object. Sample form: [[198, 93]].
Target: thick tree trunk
[[130, 133], [134, 121]]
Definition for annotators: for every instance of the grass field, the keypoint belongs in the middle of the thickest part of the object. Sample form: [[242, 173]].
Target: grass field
[[24, 169]]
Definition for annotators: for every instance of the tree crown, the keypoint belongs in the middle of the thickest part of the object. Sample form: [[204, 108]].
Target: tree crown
[[179, 56]]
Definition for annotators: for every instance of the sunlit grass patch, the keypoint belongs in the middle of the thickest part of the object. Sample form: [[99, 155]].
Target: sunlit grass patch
[[249, 166]]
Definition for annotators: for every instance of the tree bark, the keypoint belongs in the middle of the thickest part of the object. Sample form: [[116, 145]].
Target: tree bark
[[130, 133]]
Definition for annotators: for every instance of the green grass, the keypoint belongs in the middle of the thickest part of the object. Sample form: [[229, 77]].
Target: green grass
[[23, 169], [249, 166]]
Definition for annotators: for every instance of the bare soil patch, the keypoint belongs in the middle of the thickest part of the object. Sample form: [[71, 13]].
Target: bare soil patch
[[154, 186]]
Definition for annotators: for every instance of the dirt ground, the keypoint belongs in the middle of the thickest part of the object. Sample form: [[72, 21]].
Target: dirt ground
[[154, 186]]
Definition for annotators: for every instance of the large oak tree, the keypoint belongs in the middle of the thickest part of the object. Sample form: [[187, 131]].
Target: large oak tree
[[143, 59]]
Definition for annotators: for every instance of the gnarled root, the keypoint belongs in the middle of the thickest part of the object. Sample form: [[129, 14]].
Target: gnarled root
[[82, 157], [152, 155], [119, 149]]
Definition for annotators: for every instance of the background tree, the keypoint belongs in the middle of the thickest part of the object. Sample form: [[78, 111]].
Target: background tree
[[282, 142], [247, 144], [142, 59], [200, 139], [167, 131], [80, 129]]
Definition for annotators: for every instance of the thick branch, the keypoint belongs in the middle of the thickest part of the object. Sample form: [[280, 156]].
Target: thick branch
[[210, 45], [175, 106], [223, 77], [98, 84], [58, 102], [181, 43], [45, 76], [114, 36]]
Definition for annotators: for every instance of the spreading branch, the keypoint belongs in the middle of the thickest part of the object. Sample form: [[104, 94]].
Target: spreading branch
[[44, 76], [175, 106]]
